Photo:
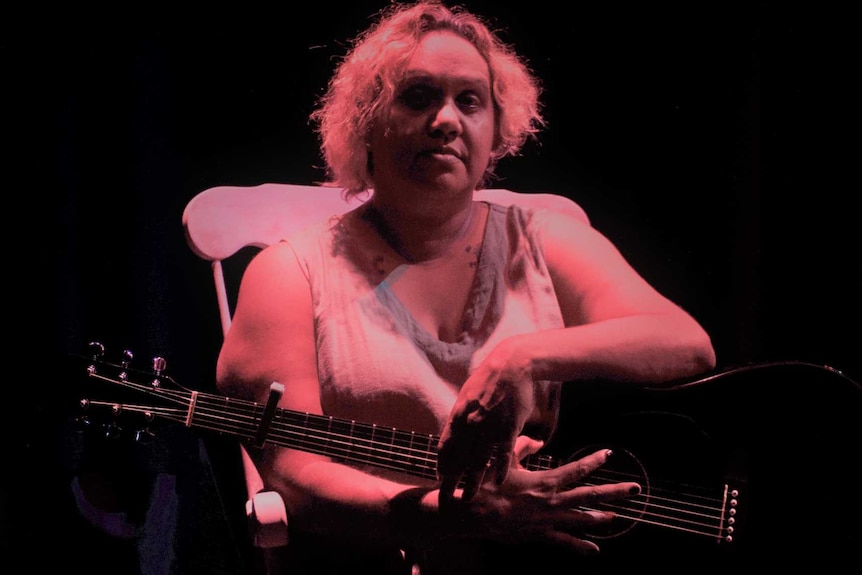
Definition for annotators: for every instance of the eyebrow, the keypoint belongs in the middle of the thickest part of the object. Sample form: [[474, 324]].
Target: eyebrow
[[420, 76]]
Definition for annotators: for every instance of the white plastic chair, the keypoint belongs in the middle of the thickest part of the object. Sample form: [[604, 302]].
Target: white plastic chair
[[220, 222]]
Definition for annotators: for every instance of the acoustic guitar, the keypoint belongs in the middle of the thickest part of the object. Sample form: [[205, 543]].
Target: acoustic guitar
[[746, 467]]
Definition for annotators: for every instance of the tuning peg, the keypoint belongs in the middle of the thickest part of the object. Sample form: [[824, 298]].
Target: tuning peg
[[112, 431], [97, 350], [128, 356], [144, 436], [159, 364], [83, 423]]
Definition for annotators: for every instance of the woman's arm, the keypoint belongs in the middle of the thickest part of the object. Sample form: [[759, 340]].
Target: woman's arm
[[617, 327]]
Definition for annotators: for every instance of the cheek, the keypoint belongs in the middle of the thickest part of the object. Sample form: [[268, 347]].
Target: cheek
[[397, 134], [483, 141], [391, 150], [399, 123]]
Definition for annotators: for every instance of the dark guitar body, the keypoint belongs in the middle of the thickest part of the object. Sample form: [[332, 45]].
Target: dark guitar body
[[785, 435]]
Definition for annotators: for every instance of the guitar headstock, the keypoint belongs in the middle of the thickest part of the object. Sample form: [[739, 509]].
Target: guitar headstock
[[111, 404]]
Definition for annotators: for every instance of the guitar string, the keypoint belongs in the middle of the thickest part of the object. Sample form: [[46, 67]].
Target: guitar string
[[252, 410], [361, 449], [353, 442], [211, 408], [642, 515]]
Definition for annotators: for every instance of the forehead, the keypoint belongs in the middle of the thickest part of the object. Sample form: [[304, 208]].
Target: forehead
[[444, 53]]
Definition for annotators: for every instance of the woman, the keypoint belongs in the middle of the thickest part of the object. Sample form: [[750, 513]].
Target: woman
[[427, 311]]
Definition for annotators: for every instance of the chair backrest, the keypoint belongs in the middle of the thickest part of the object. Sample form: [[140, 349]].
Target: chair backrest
[[221, 221]]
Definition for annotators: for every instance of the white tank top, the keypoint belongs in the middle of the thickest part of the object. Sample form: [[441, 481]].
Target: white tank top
[[376, 364]]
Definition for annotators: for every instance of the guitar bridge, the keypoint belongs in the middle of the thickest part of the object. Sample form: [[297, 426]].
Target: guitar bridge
[[730, 502]]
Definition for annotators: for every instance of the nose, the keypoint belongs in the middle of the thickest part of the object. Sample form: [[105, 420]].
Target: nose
[[446, 122]]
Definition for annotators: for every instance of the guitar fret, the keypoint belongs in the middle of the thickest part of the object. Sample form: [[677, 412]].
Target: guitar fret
[[340, 443], [310, 433], [404, 452], [328, 447], [392, 445], [388, 455], [306, 428], [370, 451], [351, 435], [363, 437], [427, 457]]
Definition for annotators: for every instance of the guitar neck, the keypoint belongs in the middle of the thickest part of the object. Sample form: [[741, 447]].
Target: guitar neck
[[350, 441], [358, 443]]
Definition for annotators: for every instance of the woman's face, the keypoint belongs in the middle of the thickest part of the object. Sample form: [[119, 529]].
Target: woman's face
[[439, 130]]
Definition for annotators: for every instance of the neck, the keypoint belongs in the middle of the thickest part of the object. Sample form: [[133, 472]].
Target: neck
[[419, 239]]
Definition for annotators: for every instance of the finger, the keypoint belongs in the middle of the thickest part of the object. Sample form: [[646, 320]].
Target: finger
[[593, 518], [584, 466], [568, 532], [503, 464], [569, 541], [451, 457], [473, 479], [446, 495], [575, 520], [502, 457], [590, 494], [525, 445]]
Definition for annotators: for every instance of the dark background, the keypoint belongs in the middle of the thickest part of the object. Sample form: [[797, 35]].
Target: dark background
[[705, 139]]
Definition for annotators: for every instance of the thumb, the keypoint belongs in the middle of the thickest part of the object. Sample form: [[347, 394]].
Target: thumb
[[525, 446]]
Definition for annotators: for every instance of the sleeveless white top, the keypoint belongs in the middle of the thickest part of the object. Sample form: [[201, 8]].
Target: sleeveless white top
[[376, 364]]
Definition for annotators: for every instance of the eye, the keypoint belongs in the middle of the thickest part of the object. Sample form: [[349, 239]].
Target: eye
[[469, 101], [418, 97]]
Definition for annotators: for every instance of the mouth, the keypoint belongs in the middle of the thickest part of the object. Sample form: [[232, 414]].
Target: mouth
[[444, 154]]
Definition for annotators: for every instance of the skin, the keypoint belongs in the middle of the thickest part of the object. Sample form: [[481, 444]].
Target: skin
[[429, 151]]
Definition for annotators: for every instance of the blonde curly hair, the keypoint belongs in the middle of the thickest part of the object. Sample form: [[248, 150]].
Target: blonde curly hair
[[365, 81]]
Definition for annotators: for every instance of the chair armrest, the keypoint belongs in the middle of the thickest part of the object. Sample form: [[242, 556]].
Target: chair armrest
[[267, 518]]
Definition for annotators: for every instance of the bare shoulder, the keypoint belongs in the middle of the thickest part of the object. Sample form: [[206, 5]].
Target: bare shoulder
[[272, 331], [273, 288], [276, 258], [592, 277], [567, 237]]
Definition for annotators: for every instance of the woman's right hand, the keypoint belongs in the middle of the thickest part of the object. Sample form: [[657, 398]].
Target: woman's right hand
[[543, 506]]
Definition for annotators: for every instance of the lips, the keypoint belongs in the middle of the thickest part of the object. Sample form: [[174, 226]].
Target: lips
[[444, 153]]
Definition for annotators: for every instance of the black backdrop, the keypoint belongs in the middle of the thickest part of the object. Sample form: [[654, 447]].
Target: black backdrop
[[654, 126]]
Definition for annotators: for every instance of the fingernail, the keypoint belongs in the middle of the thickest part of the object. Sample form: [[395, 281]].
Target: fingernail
[[635, 490], [608, 453]]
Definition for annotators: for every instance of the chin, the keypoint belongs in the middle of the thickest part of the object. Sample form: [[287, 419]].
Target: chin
[[443, 180]]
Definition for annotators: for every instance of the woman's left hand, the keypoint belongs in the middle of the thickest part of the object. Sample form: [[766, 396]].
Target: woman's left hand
[[489, 414]]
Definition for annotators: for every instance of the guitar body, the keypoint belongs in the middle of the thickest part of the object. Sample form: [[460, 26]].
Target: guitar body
[[743, 468], [786, 436]]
